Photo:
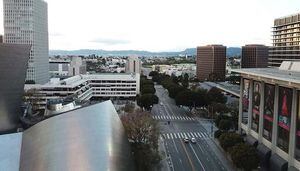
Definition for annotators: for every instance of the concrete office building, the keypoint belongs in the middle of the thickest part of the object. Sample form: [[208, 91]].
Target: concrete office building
[[77, 66], [13, 64], [133, 65], [211, 62], [269, 113], [254, 56], [26, 22], [84, 87], [286, 40]]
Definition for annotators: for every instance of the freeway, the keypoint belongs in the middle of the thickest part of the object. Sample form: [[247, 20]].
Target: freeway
[[202, 155]]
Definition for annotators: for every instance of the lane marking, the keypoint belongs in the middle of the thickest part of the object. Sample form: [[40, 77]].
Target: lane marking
[[189, 159], [175, 135], [197, 157]]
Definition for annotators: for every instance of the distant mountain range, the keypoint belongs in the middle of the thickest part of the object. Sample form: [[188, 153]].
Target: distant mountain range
[[231, 51]]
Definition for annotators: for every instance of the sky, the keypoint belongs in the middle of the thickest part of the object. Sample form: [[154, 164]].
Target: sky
[[161, 25]]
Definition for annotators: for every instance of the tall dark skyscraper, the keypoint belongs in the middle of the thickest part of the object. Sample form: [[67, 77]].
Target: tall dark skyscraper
[[286, 40], [254, 56], [211, 62]]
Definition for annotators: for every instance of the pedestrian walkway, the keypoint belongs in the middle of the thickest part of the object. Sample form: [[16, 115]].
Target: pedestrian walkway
[[200, 135], [183, 118]]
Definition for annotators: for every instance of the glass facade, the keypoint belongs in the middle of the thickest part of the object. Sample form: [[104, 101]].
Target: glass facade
[[245, 102], [256, 105], [268, 111], [284, 117]]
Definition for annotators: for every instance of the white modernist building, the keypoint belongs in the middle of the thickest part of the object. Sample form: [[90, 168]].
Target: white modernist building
[[26, 22], [84, 87]]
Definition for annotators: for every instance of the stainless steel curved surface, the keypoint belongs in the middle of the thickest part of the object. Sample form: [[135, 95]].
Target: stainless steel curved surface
[[87, 139], [13, 65]]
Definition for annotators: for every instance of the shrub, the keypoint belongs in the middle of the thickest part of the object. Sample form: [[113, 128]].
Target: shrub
[[244, 156], [228, 140], [218, 133]]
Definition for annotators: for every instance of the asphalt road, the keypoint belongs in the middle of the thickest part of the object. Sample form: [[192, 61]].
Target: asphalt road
[[185, 156]]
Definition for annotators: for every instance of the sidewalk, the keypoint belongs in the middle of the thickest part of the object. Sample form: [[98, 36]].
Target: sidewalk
[[164, 163]]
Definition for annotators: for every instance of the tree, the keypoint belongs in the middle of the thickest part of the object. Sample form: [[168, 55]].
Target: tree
[[147, 100], [129, 107], [143, 133], [224, 125], [153, 73], [228, 140], [216, 95], [244, 156], [185, 98], [185, 80], [147, 89]]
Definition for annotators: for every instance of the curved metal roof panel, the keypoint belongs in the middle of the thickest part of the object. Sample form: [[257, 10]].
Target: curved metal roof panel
[[89, 138]]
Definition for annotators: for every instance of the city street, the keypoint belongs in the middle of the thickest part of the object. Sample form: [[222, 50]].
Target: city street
[[201, 155]]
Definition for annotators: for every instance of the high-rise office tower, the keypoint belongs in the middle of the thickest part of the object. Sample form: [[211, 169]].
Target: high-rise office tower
[[211, 62], [26, 22], [133, 65], [254, 56], [286, 40]]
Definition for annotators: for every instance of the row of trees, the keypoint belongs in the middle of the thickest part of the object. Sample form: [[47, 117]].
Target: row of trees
[[143, 133], [178, 88], [147, 98], [243, 155]]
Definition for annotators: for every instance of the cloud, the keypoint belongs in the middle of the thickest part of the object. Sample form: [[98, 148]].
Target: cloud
[[109, 41], [56, 34]]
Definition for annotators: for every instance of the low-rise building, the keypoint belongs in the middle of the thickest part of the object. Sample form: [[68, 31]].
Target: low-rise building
[[84, 87], [269, 113], [66, 66]]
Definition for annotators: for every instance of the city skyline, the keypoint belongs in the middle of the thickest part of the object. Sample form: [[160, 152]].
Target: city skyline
[[161, 26]]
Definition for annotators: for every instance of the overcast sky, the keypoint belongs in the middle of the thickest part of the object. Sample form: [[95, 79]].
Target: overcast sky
[[161, 25]]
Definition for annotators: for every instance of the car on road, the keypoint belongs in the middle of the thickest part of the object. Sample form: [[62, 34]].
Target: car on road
[[161, 103], [193, 140], [186, 139]]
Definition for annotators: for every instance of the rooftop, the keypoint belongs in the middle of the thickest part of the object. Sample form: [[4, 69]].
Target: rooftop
[[79, 79], [288, 71]]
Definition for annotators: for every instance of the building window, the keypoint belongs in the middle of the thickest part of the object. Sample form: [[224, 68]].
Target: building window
[[256, 105], [245, 100], [268, 111], [284, 117]]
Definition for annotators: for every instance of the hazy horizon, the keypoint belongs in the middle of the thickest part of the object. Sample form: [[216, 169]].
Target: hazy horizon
[[159, 26]]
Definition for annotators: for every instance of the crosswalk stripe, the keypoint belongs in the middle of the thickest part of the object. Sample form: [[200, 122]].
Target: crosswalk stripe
[[177, 117], [199, 134], [175, 135], [184, 135], [206, 134], [192, 135], [188, 135], [171, 136], [168, 136], [202, 134], [178, 134], [195, 134]]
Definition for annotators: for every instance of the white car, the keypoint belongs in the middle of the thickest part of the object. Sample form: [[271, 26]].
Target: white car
[[193, 140], [161, 103]]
